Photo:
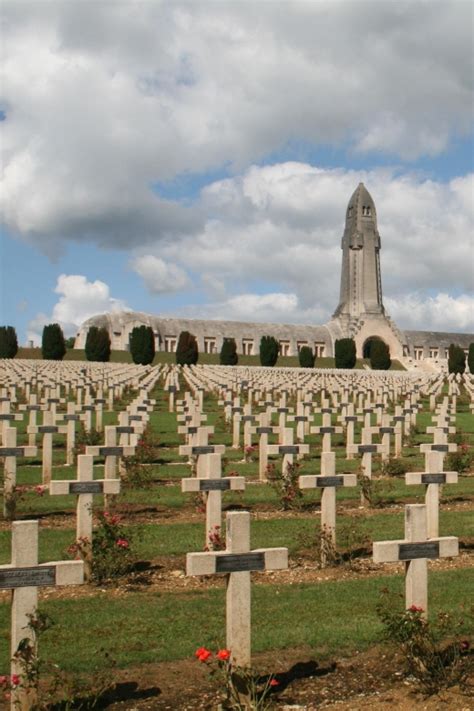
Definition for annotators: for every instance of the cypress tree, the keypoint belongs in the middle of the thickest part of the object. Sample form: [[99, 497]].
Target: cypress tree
[[142, 345], [345, 353], [91, 343], [187, 350], [268, 351], [8, 342], [228, 354], [98, 344], [306, 357], [456, 359], [53, 345], [470, 358], [379, 356]]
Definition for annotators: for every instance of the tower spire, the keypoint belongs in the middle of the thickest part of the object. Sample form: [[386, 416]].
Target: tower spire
[[361, 284]]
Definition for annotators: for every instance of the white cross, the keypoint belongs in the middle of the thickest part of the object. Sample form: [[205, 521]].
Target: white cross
[[433, 477], [9, 452], [415, 550], [237, 561], [23, 576]]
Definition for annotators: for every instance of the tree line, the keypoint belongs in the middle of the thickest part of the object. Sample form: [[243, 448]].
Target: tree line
[[142, 349]]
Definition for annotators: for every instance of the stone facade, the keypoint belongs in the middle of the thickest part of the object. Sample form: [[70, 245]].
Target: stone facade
[[360, 313]]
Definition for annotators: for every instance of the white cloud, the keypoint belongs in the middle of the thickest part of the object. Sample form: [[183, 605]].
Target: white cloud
[[79, 300], [437, 313], [159, 277], [104, 99]]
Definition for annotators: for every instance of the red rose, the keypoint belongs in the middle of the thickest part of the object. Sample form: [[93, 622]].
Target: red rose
[[223, 654]]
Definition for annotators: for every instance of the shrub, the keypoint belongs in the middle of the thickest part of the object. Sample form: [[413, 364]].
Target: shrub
[[53, 345], [70, 342], [380, 356], [111, 551], [98, 344], [286, 485], [460, 461], [306, 357], [435, 652], [142, 345], [187, 349], [394, 467], [228, 354], [268, 351], [8, 342], [470, 358], [456, 359], [345, 353]]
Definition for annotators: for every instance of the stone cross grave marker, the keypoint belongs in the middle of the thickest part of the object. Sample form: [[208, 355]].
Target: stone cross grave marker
[[9, 452], [326, 430], [287, 449], [327, 481], [415, 550], [84, 487], [263, 430], [209, 480], [237, 561], [432, 478], [23, 576], [47, 429]]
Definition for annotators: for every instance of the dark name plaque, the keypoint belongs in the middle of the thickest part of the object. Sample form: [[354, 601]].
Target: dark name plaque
[[386, 430], [399, 418], [214, 485], [70, 418], [439, 448], [351, 418], [227, 403], [11, 452], [327, 430], [326, 410], [38, 576], [135, 418], [367, 448], [236, 410], [53, 399], [235, 563], [89, 408], [9, 416], [141, 408], [171, 388], [265, 430], [111, 451], [412, 551], [433, 478], [86, 487], [248, 418], [300, 418], [282, 409], [47, 429], [209, 449], [407, 411], [288, 449], [100, 401], [322, 481], [125, 429], [33, 407]]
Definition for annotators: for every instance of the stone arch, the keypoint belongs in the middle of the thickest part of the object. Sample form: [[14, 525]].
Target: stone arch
[[368, 344]]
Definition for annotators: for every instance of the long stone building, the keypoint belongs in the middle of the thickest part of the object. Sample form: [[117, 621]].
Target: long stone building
[[360, 313]]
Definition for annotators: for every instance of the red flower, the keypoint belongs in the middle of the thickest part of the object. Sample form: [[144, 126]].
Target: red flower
[[122, 542], [274, 682], [15, 679], [202, 654], [415, 608], [223, 654], [3, 680]]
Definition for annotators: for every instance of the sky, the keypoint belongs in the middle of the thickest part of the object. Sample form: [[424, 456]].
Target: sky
[[196, 158]]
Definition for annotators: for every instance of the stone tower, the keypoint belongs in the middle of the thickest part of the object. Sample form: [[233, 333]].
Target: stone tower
[[360, 313]]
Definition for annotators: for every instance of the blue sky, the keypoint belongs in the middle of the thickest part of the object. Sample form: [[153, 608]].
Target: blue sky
[[197, 159]]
